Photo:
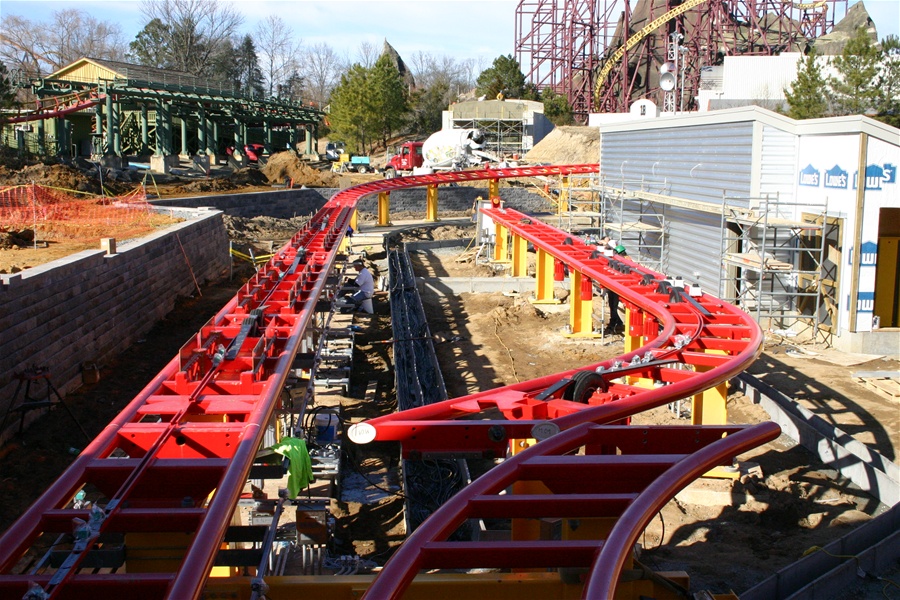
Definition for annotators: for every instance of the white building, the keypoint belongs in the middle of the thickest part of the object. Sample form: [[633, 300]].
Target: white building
[[768, 212]]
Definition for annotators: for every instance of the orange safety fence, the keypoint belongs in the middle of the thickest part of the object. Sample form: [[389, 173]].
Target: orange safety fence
[[57, 214]]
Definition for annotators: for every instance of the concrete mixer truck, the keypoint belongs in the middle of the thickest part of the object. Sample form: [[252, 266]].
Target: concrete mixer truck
[[444, 150]]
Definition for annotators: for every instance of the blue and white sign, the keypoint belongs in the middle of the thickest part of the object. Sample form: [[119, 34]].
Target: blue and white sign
[[868, 254], [837, 178], [874, 177], [865, 302], [890, 173], [809, 176]]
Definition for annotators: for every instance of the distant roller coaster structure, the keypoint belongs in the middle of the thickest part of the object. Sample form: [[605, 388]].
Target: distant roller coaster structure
[[602, 55]]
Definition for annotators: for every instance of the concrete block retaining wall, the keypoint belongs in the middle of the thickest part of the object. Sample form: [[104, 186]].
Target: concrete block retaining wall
[[89, 307], [284, 204]]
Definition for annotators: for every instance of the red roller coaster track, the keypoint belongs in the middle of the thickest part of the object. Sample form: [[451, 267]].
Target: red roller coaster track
[[172, 465]]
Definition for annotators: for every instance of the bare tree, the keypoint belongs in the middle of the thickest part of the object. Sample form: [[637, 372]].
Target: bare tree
[[430, 70], [322, 70], [38, 49], [367, 53], [279, 51], [77, 34], [195, 30]]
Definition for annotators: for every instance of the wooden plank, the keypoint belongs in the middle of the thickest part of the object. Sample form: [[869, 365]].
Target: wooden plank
[[887, 387]]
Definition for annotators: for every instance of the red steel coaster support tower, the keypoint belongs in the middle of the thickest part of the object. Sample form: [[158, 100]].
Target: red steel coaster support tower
[[616, 48]]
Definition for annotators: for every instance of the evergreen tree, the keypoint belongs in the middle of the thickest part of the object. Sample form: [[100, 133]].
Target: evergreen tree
[[351, 116], [250, 78], [557, 109], [7, 89], [504, 76], [853, 90], [427, 106], [806, 95], [389, 97], [149, 46], [887, 99]]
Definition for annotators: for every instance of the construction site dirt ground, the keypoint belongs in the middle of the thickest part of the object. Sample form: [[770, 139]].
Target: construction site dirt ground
[[488, 340]]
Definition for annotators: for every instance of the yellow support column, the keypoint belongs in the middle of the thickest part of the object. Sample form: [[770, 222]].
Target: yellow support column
[[580, 310], [525, 529], [384, 208], [354, 220], [543, 294], [562, 203], [519, 256], [632, 342], [493, 187], [431, 203], [708, 407], [501, 245]]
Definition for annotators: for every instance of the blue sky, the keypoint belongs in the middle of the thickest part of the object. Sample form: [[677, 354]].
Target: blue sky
[[478, 29]]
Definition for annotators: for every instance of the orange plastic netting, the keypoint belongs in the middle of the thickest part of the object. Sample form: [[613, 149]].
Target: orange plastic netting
[[58, 215]]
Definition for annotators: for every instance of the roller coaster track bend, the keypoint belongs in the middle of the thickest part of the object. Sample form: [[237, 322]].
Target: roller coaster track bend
[[166, 474]]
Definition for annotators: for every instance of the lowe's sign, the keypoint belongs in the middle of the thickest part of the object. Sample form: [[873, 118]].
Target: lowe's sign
[[837, 178]]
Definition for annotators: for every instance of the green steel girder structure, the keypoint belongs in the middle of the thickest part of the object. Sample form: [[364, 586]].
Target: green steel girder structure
[[207, 110]]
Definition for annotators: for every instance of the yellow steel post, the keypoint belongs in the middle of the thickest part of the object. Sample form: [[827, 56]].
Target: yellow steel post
[[580, 311], [519, 256], [632, 342], [544, 277], [493, 187], [708, 407], [562, 203], [501, 243], [525, 529], [384, 208], [431, 203], [354, 220]]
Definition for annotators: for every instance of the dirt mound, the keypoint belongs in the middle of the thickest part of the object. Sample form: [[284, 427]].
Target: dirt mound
[[16, 239], [286, 165], [567, 146], [58, 176], [262, 231]]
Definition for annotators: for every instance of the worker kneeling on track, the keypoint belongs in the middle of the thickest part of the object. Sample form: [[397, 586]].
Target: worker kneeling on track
[[362, 298]]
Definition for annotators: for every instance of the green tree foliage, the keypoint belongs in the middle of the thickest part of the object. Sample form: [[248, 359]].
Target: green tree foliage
[[853, 89], [368, 105], [149, 46], [427, 106], [887, 98], [557, 109], [389, 98], [7, 89], [249, 75], [350, 118], [806, 95], [504, 76]]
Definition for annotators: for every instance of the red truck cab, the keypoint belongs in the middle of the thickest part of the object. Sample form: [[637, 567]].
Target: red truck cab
[[407, 158]]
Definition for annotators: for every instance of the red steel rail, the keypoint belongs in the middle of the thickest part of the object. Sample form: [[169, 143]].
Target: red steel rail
[[691, 344], [171, 466]]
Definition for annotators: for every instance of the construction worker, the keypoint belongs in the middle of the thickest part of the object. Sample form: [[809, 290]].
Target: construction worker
[[615, 324], [362, 298]]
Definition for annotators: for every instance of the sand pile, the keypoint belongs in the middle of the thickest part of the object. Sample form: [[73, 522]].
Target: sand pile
[[567, 146], [286, 165]]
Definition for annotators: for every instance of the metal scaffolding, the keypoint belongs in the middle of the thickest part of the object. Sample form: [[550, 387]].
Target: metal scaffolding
[[772, 258]]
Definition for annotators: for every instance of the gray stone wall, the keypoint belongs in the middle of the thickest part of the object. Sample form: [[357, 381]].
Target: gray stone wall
[[89, 307], [285, 204]]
